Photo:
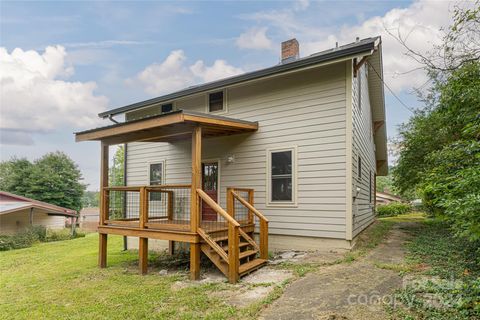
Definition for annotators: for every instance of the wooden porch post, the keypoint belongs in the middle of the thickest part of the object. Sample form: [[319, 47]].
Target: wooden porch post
[[143, 242], [195, 203], [230, 202], [102, 247], [171, 244]]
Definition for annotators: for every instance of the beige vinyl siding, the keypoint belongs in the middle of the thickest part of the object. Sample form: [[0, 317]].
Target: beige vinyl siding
[[14, 222], [305, 110], [363, 145]]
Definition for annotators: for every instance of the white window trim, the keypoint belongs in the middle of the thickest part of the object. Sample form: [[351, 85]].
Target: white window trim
[[164, 177], [285, 204], [225, 104], [218, 175]]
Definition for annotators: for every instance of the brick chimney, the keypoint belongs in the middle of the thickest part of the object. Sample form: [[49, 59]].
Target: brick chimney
[[290, 50]]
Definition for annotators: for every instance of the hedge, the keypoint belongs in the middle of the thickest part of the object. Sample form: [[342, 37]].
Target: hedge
[[393, 209]]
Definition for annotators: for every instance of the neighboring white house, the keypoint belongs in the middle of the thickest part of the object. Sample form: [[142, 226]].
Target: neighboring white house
[[17, 213], [320, 143], [88, 219], [386, 198]]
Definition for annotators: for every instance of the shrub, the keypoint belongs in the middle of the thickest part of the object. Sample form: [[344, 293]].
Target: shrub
[[393, 209], [58, 235], [5, 243], [28, 237], [40, 232], [23, 239]]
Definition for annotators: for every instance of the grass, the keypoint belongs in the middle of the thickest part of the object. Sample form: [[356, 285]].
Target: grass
[[450, 268], [369, 239], [61, 280]]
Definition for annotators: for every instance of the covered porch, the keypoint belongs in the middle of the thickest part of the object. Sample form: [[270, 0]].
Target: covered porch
[[173, 212]]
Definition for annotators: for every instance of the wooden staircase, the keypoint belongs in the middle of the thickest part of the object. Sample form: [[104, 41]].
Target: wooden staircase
[[248, 255], [233, 249]]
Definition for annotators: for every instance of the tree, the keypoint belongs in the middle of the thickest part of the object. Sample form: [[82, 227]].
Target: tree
[[116, 172], [90, 199], [384, 183], [13, 174], [54, 178], [460, 45], [439, 146]]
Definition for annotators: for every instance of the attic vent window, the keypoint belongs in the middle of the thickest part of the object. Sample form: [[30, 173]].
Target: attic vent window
[[216, 101], [168, 107]]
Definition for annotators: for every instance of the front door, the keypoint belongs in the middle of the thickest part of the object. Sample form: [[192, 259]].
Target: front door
[[210, 186]]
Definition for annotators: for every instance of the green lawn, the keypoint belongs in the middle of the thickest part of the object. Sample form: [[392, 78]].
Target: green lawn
[[60, 280]]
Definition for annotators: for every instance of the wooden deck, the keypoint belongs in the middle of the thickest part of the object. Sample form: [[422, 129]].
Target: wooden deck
[[130, 211]]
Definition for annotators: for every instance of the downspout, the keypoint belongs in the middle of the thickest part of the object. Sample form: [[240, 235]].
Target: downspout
[[125, 183], [31, 217]]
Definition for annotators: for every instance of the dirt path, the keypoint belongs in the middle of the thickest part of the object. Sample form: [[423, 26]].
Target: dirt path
[[347, 290]]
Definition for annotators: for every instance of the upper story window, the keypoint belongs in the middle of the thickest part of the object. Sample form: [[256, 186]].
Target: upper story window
[[281, 176], [359, 166], [168, 107], [216, 101]]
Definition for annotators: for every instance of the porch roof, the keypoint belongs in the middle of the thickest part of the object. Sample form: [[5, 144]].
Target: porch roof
[[172, 126]]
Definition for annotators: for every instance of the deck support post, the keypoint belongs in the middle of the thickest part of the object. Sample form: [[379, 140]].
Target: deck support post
[[102, 250], [143, 255], [102, 237], [195, 201], [233, 253]]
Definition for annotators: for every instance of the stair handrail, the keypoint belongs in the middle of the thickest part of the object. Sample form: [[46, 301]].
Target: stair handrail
[[249, 206], [212, 204], [263, 224], [233, 236]]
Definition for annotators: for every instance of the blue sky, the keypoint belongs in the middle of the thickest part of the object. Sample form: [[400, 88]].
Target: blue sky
[[107, 54]]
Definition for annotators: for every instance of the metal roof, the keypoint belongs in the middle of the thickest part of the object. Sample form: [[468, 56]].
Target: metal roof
[[10, 202], [361, 46], [167, 127]]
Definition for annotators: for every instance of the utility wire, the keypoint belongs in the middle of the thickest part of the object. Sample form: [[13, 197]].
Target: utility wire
[[391, 91]]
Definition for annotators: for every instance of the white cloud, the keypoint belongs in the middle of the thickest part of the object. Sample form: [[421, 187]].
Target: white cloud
[[420, 21], [416, 23], [300, 5], [254, 38], [174, 73], [106, 44], [36, 97], [220, 69]]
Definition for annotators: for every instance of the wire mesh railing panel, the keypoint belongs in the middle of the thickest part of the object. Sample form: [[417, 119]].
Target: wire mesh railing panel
[[123, 205], [241, 212], [169, 205]]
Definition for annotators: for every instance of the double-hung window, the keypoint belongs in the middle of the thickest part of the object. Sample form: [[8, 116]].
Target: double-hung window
[[281, 176], [216, 101], [156, 176]]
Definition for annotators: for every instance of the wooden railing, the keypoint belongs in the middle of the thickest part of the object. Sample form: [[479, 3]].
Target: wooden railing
[[232, 258], [126, 205], [232, 195]]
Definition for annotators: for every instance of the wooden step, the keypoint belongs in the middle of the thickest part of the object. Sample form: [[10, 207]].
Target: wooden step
[[218, 239], [251, 266], [215, 258], [246, 227], [247, 253], [240, 245]]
